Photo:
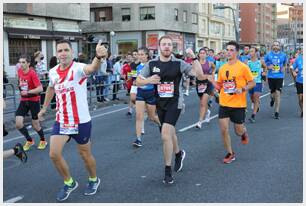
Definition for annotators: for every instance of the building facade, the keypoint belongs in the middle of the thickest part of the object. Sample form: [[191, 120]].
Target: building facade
[[36, 27], [258, 24], [216, 26], [296, 25], [129, 26]]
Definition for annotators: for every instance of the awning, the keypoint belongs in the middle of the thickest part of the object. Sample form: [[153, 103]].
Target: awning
[[41, 34]]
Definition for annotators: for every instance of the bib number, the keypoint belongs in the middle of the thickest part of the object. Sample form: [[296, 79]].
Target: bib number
[[69, 129], [165, 90], [276, 69], [202, 87], [24, 86], [255, 74], [229, 87]]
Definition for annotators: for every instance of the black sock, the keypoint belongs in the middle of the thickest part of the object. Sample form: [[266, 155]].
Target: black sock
[[25, 133], [15, 150], [168, 169], [253, 116], [41, 134]]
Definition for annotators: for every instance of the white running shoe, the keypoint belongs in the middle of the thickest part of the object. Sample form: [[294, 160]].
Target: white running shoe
[[199, 125], [207, 116], [186, 93]]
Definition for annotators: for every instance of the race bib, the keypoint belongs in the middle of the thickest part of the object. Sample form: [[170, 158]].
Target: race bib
[[255, 74], [165, 89], [69, 129], [229, 86], [24, 85], [276, 69], [202, 87]]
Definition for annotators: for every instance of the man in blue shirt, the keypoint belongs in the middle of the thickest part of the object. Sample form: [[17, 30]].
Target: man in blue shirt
[[297, 72], [210, 57], [276, 62], [245, 56]]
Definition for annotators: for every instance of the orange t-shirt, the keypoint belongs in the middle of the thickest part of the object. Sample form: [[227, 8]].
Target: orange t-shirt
[[230, 77]]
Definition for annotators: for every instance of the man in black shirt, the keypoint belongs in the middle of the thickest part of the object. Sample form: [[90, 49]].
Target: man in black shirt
[[166, 73]]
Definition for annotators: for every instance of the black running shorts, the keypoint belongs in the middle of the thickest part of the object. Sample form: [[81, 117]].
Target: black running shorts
[[25, 106], [299, 88], [275, 84], [236, 115], [169, 114]]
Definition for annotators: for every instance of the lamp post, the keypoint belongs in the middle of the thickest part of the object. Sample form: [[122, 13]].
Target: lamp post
[[234, 17], [112, 34]]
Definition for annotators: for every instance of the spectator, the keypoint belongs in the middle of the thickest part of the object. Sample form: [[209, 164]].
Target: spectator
[[116, 72], [53, 63]]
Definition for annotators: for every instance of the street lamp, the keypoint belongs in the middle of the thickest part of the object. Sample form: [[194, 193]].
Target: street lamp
[[234, 17], [112, 34]]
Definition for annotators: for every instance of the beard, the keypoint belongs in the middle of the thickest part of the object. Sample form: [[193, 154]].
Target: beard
[[166, 53]]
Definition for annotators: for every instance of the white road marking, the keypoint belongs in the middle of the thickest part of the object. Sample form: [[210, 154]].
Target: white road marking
[[15, 199]]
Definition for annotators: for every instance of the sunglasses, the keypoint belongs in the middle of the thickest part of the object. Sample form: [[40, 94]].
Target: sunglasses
[[22, 62]]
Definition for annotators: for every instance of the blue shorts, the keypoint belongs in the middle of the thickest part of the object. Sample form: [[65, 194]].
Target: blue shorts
[[257, 88], [147, 96], [81, 138]]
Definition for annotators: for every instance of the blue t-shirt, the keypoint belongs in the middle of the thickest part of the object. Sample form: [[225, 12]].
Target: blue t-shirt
[[244, 58], [278, 60], [219, 64], [210, 59], [145, 87], [298, 66], [256, 70]]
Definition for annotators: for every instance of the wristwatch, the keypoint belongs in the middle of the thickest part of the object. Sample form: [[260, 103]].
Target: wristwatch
[[196, 58]]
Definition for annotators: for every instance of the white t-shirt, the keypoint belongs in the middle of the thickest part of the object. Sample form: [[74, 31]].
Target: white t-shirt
[[71, 93]]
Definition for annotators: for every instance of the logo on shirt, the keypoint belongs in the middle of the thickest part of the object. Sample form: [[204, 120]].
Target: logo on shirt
[[155, 69]]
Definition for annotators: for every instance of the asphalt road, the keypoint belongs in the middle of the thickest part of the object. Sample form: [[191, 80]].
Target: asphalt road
[[268, 169]]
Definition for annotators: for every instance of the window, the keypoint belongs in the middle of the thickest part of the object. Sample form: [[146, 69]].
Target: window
[[104, 14], [147, 13], [200, 43], [223, 29], [185, 16], [18, 47], [204, 26], [176, 14], [194, 18], [126, 14]]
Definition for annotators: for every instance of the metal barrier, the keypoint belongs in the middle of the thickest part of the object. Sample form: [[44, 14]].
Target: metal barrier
[[7, 98], [92, 87]]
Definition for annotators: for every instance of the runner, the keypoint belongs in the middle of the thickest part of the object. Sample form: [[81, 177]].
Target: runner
[[17, 150], [166, 72], [127, 76], [258, 69], [298, 76], [275, 61], [234, 79], [203, 87], [68, 82], [245, 56], [145, 99], [133, 75], [30, 87]]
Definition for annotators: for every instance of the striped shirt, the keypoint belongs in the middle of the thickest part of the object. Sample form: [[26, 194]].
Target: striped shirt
[[71, 93]]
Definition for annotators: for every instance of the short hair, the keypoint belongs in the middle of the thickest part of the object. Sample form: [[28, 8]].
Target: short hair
[[26, 57], [145, 50], [247, 46], [233, 43], [253, 47], [135, 50], [211, 50], [164, 37], [64, 41]]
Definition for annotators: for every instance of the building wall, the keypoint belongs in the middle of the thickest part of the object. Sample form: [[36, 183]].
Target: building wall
[[43, 23], [248, 32]]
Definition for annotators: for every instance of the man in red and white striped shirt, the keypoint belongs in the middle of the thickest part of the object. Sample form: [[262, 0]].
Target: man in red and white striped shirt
[[68, 81]]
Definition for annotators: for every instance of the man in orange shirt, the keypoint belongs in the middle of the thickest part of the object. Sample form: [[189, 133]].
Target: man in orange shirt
[[234, 80]]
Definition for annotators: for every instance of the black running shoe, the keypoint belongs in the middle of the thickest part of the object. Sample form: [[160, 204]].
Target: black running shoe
[[252, 119], [276, 115], [179, 161], [137, 143], [168, 177], [20, 153], [129, 114]]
